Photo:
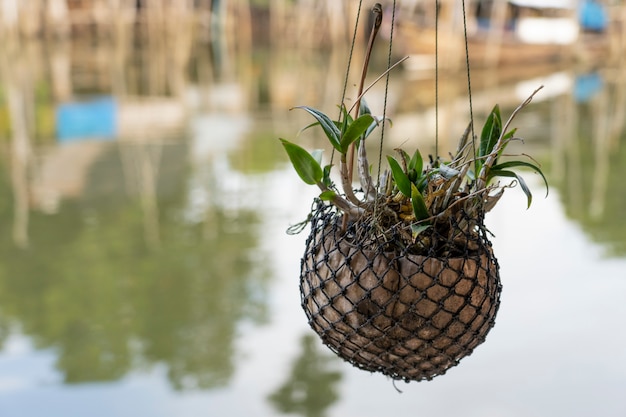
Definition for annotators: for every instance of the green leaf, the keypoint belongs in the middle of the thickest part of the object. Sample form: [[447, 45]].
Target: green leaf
[[308, 127], [421, 183], [326, 177], [416, 229], [303, 162], [328, 195], [355, 130], [515, 164], [402, 181], [377, 121], [509, 134], [419, 205], [365, 108], [332, 132], [371, 128], [505, 141], [346, 119], [491, 132], [520, 180], [417, 163]]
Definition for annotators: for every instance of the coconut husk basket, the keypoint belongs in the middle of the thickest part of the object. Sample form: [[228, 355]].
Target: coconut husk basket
[[385, 308]]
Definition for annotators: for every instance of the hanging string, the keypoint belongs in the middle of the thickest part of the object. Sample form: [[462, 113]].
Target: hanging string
[[469, 80], [382, 133], [347, 75], [436, 80], [352, 44]]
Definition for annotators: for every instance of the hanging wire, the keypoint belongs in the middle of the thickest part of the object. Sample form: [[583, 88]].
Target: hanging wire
[[347, 76], [382, 133], [469, 80], [352, 44], [436, 80]]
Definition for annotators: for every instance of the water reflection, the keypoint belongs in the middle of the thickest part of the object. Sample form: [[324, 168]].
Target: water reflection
[[588, 156], [105, 265], [312, 385], [91, 286]]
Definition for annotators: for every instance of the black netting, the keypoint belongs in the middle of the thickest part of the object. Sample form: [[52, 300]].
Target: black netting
[[408, 311]]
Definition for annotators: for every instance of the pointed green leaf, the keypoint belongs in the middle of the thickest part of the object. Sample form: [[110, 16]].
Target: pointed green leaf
[[326, 177], [520, 180], [515, 164], [505, 141], [332, 132], [491, 132], [416, 162], [346, 119], [328, 195], [422, 183], [371, 128], [419, 205], [416, 229], [377, 121], [402, 181], [305, 165], [509, 134], [308, 127], [365, 108], [355, 130]]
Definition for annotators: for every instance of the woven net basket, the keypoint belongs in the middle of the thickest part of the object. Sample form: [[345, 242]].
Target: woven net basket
[[397, 310]]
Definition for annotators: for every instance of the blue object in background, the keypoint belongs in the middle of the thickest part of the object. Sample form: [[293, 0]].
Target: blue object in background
[[586, 86], [93, 119], [592, 16]]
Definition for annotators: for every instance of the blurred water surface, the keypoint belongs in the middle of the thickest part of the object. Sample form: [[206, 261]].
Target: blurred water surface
[[145, 269]]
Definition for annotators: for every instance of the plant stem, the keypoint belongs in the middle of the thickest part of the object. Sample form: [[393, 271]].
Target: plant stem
[[378, 19], [342, 204], [346, 181], [373, 83], [364, 175]]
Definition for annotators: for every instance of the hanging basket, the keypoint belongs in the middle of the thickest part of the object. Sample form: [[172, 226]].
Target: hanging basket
[[383, 308], [399, 276]]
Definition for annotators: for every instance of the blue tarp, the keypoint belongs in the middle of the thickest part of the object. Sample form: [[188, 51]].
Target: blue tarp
[[93, 119], [587, 86], [592, 16]]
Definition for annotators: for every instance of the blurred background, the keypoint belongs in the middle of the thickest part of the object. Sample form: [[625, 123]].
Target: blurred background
[[144, 198]]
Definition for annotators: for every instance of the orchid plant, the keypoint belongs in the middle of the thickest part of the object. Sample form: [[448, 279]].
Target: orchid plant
[[412, 192]]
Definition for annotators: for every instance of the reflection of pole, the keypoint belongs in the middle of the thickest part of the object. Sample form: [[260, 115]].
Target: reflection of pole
[[497, 21], [278, 21], [573, 158], [57, 18], [560, 134], [149, 167], [601, 141], [60, 71], [141, 161], [10, 16], [12, 74]]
